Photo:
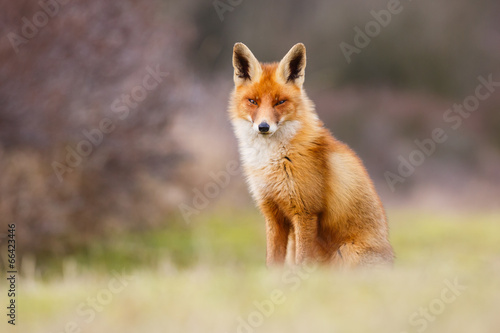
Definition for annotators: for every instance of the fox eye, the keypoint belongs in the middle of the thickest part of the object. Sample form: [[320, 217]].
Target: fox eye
[[280, 102], [252, 101]]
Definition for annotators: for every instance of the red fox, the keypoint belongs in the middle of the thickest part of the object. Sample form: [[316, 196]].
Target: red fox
[[318, 201]]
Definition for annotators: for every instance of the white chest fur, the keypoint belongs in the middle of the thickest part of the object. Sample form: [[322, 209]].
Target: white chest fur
[[258, 151], [261, 155]]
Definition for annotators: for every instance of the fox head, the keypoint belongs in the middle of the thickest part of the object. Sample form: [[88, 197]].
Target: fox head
[[267, 95]]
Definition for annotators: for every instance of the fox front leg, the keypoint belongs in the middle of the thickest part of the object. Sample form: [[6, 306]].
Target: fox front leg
[[306, 230], [277, 230]]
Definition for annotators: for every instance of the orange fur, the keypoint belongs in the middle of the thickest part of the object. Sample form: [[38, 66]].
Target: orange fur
[[314, 192]]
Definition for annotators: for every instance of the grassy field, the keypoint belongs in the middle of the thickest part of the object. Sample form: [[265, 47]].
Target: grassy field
[[211, 277]]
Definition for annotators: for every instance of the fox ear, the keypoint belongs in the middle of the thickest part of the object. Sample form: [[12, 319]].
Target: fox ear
[[246, 67], [292, 66]]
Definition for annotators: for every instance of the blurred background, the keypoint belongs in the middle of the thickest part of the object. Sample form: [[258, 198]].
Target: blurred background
[[115, 141]]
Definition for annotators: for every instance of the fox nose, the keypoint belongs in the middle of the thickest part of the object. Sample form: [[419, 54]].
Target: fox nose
[[263, 127]]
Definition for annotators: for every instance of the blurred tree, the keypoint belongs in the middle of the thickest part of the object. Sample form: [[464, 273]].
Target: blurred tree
[[55, 91]]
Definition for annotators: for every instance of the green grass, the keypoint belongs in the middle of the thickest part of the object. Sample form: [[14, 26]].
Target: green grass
[[205, 277]]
